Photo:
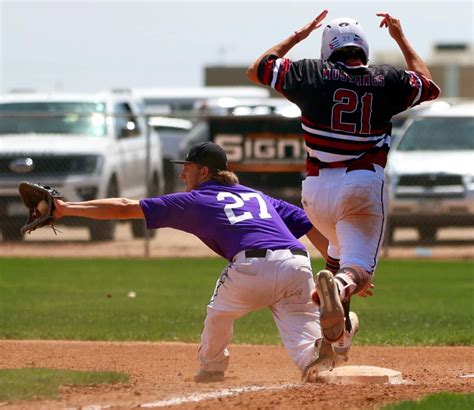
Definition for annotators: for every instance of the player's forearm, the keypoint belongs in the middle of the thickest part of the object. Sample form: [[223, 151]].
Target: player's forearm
[[280, 50], [109, 208], [413, 60], [319, 241]]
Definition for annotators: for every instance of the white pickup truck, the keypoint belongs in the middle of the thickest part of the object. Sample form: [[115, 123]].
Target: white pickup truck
[[87, 146]]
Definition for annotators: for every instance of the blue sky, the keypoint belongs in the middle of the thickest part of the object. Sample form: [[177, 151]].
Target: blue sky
[[94, 45]]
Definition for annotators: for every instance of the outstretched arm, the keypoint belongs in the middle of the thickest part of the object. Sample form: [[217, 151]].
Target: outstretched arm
[[286, 45], [108, 208], [413, 60]]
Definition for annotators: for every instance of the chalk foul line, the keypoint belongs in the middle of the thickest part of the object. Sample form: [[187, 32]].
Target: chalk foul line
[[195, 397]]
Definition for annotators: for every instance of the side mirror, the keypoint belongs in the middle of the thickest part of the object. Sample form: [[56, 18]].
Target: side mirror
[[129, 130]]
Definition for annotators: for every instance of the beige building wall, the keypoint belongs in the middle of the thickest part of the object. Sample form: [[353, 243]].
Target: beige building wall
[[452, 68]]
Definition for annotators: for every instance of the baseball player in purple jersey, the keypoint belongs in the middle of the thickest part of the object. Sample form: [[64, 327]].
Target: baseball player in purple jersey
[[268, 266], [346, 108]]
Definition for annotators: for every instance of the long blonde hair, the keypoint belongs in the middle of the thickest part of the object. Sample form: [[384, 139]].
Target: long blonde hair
[[225, 177]]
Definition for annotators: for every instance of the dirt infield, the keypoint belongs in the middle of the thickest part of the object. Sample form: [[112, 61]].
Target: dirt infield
[[259, 377], [73, 242]]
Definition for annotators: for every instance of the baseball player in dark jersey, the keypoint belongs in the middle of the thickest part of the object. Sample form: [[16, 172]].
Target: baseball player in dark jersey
[[346, 106], [268, 266]]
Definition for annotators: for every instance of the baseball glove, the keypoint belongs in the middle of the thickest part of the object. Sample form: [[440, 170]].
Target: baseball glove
[[39, 201]]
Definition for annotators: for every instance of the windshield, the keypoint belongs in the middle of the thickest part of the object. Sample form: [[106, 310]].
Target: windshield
[[84, 118], [439, 134]]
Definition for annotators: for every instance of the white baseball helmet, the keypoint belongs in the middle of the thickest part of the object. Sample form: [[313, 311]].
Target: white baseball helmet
[[343, 32]]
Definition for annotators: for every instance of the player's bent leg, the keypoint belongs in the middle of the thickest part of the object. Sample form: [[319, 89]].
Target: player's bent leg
[[213, 356], [332, 312], [296, 318]]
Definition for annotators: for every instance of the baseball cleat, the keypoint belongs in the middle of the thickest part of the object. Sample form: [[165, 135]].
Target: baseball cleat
[[342, 347], [206, 376], [325, 359], [331, 310]]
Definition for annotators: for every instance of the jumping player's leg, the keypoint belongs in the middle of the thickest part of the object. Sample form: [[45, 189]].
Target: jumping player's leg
[[360, 228], [360, 231]]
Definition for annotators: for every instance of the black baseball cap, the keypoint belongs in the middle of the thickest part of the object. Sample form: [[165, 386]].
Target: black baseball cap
[[206, 153]]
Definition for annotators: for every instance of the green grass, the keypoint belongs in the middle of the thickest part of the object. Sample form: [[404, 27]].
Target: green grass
[[439, 401], [416, 302], [29, 384]]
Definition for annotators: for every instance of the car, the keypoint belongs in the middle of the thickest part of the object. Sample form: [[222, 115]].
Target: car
[[87, 146], [431, 170]]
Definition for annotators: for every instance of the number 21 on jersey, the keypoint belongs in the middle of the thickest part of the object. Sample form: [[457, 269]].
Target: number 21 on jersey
[[347, 101], [239, 202]]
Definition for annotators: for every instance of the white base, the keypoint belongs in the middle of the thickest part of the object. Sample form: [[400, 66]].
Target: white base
[[360, 375]]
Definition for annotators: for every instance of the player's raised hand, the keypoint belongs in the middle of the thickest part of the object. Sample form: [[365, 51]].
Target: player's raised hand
[[393, 25], [305, 31]]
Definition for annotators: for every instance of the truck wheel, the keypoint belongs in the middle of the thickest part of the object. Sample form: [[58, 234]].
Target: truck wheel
[[11, 231], [427, 233], [101, 231], [389, 234], [139, 229], [138, 225]]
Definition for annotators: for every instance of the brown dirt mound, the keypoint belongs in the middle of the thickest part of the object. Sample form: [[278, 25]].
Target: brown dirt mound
[[162, 371]]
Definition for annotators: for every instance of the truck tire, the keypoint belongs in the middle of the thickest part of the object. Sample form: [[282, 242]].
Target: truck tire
[[427, 233], [11, 230], [101, 231], [138, 225], [139, 229], [389, 234]]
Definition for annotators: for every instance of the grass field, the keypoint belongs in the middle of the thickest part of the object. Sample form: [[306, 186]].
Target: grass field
[[28, 384], [441, 401], [416, 302]]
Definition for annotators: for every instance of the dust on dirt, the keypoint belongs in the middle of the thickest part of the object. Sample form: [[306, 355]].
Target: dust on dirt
[[163, 371]]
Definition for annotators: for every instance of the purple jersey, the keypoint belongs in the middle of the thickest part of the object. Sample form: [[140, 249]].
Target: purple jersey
[[229, 218]]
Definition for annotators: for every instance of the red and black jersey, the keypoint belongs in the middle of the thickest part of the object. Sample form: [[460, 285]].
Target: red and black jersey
[[346, 110]]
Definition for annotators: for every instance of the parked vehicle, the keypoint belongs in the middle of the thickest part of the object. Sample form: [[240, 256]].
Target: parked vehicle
[[172, 131], [431, 170], [263, 140], [86, 145], [180, 101]]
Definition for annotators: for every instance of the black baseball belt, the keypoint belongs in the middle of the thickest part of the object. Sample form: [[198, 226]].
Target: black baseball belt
[[262, 253]]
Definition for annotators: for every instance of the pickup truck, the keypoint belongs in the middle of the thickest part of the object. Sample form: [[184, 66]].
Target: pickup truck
[[87, 146], [430, 170]]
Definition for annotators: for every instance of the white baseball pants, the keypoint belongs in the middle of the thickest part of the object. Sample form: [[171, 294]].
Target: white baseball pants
[[349, 209], [281, 281]]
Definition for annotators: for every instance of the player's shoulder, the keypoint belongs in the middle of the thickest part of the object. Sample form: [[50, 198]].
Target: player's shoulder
[[242, 188], [179, 196], [309, 63], [387, 70]]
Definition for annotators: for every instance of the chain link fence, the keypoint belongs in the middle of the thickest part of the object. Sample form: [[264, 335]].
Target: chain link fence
[[90, 149]]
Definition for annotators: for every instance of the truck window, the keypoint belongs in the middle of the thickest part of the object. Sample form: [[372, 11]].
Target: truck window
[[79, 118], [126, 120]]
